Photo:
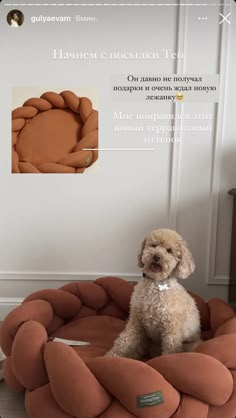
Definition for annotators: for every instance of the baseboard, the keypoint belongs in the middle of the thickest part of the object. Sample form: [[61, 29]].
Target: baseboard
[[63, 277], [219, 280], [71, 277], [14, 287], [7, 304]]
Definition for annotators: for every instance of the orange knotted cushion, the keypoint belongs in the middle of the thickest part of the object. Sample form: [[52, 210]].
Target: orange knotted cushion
[[79, 382], [197, 375], [55, 133]]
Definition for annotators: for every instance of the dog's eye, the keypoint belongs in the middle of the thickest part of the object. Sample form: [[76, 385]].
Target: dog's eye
[[169, 250], [154, 245]]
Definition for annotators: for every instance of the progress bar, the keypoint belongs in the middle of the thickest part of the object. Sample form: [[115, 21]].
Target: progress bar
[[116, 4]]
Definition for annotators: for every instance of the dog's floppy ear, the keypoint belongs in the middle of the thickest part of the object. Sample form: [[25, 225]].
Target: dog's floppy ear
[[186, 265], [140, 263]]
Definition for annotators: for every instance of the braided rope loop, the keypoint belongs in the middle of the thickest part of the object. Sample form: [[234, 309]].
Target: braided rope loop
[[74, 394], [49, 134], [27, 349], [212, 382]]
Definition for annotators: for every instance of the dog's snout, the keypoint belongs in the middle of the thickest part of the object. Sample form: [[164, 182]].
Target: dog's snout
[[156, 258]]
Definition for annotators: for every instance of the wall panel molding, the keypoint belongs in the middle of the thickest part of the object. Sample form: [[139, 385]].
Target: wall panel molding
[[177, 110], [7, 305], [219, 281], [20, 285], [63, 277], [211, 277]]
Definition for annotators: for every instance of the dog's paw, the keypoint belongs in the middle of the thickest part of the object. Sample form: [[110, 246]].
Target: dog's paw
[[190, 346], [111, 354], [164, 353], [177, 350]]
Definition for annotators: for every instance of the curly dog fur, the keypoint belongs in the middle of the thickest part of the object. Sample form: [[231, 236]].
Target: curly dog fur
[[163, 315]]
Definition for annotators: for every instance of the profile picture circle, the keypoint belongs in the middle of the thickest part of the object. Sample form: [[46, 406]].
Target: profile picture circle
[[15, 18]]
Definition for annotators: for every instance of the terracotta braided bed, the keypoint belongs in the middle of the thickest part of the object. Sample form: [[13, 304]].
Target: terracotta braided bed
[[62, 382], [51, 134]]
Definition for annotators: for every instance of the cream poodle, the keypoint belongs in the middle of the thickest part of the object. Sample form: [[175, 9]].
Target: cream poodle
[[162, 314]]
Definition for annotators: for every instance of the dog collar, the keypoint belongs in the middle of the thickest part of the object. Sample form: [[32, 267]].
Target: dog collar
[[164, 285]]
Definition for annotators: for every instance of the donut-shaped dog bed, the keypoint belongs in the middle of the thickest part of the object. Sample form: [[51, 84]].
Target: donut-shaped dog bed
[[56, 133], [64, 382]]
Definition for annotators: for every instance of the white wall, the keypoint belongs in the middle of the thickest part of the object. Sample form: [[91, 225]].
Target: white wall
[[55, 229]]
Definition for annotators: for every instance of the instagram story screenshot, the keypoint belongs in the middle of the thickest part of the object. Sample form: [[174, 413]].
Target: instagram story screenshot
[[117, 209]]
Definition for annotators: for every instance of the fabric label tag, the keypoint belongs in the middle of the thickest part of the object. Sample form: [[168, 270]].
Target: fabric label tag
[[151, 399], [70, 342]]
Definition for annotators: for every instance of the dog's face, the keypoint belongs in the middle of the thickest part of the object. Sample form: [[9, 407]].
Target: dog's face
[[164, 254]]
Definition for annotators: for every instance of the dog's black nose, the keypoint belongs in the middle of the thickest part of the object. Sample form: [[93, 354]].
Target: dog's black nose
[[156, 258]]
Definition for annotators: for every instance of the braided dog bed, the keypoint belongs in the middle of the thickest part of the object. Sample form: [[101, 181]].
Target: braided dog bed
[[49, 134], [62, 382]]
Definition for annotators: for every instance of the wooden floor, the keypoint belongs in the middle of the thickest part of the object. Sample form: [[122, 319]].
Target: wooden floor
[[11, 403]]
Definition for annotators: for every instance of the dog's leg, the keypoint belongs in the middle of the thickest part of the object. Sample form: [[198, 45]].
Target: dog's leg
[[131, 343], [171, 343]]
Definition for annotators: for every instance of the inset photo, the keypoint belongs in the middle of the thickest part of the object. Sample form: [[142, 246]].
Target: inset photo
[[54, 131], [15, 18]]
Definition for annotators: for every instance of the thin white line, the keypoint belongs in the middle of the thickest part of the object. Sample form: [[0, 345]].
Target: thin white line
[[117, 4], [118, 149]]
